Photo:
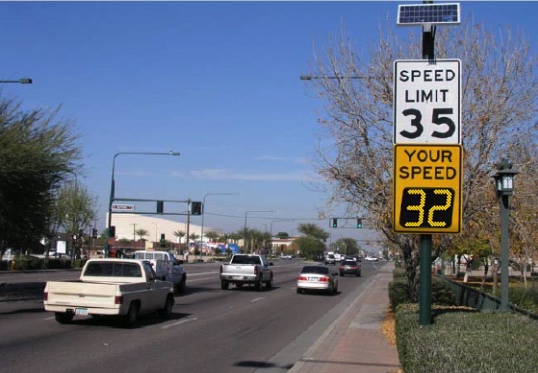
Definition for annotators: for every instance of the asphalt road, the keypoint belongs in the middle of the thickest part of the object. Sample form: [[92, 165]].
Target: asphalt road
[[211, 330]]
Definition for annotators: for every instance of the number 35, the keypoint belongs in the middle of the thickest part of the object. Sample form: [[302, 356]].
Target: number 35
[[437, 119]]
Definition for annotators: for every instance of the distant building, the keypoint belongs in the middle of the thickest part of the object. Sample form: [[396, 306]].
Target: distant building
[[127, 224]]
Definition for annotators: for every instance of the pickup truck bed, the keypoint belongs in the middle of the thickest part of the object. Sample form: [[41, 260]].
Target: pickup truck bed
[[110, 287]]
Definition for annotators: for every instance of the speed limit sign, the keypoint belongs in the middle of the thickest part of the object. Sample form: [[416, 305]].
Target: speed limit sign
[[427, 101]]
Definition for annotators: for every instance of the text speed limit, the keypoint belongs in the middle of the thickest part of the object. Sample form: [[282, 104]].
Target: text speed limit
[[427, 102]]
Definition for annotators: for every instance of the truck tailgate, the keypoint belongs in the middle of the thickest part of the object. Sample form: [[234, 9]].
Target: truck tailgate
[[81, 294]]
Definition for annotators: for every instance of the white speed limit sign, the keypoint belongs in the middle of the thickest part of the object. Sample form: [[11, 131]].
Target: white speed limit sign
[[427, 101]]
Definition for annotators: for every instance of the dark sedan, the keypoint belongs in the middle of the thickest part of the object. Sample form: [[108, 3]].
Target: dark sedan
[[350, 267]]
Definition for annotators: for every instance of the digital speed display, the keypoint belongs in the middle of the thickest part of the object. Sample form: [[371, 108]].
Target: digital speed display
[[427, 208], [427, 188]]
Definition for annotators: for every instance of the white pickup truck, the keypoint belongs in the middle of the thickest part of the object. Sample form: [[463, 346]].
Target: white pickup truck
[[246, 269], [110, 287], [166, 266]]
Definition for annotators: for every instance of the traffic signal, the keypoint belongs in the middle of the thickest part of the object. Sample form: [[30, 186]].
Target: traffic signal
[[160, 207], [94, 233], [112, 231], [163, 240], [359, 223], [334, 223], [196, 208]]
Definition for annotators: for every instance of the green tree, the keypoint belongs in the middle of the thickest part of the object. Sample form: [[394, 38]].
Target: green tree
[[37, 152], [309, 247], [314, 231], [282, 235], [212, 236], [179, 234], [347, 246], [74, 211], [499, 90]]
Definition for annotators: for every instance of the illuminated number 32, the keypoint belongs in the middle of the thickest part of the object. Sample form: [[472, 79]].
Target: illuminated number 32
[[427, 207]]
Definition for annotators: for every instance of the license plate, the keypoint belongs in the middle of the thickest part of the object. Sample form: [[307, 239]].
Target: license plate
[[237, 277], [81, 311], [313, 279]]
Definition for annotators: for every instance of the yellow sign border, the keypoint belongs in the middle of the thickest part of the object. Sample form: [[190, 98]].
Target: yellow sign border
[[401, 158]]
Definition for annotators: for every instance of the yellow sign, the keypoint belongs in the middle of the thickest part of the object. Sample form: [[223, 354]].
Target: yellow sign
[[427, 188]]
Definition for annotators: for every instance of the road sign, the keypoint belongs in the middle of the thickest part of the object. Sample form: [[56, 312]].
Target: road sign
[[427, 102], [122, 207], [427, 188]]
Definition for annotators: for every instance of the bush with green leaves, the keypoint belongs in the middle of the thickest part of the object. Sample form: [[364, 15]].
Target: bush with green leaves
[[399, 291], [466, 342]]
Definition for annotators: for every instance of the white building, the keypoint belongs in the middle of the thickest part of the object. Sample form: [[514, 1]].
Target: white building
[[127, 224]]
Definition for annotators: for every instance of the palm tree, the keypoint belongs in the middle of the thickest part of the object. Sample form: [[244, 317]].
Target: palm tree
[[212, 236], [141, 233], [179, 234]]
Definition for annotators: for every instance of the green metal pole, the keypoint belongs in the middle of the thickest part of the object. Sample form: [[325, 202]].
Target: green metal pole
[[504, 252], [425, 279]]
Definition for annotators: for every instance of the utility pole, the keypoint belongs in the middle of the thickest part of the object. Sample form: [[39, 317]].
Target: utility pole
[[188, 221]]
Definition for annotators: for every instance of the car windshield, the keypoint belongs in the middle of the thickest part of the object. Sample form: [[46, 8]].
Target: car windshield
[[312, 269]]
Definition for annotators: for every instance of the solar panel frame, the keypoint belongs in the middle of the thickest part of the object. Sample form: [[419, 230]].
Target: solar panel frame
[[428, 14]]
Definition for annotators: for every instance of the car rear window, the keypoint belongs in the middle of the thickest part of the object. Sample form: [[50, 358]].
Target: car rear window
[[113, 269], [349, 263], [312, 269]]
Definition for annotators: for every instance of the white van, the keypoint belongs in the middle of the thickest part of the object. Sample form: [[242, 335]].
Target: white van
[[166, 266]]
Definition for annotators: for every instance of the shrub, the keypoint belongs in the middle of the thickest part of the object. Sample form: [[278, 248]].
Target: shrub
[[487, 342], [398, 292], [441, 293]]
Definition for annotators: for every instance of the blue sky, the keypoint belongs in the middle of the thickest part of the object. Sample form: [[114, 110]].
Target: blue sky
[[216, 81]]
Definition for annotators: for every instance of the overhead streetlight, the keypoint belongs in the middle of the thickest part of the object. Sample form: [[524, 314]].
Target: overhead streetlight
[[203, 215], [312, 77], [504, 185], [112, 188], [18, 81]]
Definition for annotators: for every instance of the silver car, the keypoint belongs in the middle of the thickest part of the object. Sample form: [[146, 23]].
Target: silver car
[[317, 278]]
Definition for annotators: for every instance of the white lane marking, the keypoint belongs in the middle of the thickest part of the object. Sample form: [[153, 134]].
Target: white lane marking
[[178, 323], [257, 299]]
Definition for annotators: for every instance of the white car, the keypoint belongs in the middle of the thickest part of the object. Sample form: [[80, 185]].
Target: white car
[[371, 259], [318, 277]]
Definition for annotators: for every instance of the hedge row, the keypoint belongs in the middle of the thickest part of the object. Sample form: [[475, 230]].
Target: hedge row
[[399, 291], [22, 264], [466, 342]]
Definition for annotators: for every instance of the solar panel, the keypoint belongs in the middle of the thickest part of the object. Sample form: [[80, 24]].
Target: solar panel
[[420, 14]]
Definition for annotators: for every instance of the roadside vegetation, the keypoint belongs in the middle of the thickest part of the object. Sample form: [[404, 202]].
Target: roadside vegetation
[[460, 338]]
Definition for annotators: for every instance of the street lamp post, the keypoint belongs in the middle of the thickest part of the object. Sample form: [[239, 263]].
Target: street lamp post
[[245, 227], [504, 185], [112, 188], [203, 215]]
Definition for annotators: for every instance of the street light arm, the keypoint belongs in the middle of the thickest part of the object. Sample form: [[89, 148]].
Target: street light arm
[[18, 81], [310, 77], [113, 186]]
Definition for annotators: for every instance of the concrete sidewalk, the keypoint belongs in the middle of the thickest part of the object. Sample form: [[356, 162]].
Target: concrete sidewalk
[[355, 343]]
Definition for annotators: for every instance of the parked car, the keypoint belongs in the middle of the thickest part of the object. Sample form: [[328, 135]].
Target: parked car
[[317, 278], [350, 267], [371, 259]]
